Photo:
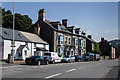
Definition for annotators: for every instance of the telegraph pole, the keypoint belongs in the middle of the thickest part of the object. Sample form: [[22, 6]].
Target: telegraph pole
[[13, 44]]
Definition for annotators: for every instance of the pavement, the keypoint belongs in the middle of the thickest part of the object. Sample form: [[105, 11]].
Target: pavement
[[94, 70]]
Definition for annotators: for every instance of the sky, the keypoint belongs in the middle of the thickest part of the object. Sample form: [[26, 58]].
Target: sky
[[99, 19]]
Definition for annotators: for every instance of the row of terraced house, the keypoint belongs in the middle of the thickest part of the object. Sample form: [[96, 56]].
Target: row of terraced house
[[62, 38], [45, 36]]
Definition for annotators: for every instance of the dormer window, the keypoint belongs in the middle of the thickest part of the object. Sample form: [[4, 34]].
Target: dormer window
[[73, 31], [59, 28]]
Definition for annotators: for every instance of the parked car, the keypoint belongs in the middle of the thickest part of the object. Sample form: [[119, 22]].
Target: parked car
[[68, 58], [97, 57], [78, 58], [36, 60], [88, 57], [53, 57]]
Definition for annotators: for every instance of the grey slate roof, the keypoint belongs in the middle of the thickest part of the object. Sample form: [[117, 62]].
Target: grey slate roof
[[63, 31], [20, 36]]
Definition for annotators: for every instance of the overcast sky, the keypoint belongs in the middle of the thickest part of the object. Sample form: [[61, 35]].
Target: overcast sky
[[100, 19]]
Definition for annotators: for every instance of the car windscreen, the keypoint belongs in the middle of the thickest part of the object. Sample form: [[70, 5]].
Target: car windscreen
[[66, 56], [86, 54], [80, 56], [36, 57], [47, 54]]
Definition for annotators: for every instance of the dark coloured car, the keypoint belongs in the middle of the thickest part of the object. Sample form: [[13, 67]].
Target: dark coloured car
[[36, 60], [78, 58], [88, 57]]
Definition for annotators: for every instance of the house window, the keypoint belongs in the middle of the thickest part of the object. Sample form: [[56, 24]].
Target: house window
[[58, 40], [69, 41], [25, 52], [79, 42], [76, 41], [58, 50], [73, 41], [34, 44], [34, 53], [26, 43], [61, 50], [61, 39], [65, 40]]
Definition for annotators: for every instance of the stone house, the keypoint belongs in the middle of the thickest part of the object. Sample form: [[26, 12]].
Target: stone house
[[90, 46], [62, 38]]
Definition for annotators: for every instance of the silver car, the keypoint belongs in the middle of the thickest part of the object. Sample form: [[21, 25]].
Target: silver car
[[68, 58]]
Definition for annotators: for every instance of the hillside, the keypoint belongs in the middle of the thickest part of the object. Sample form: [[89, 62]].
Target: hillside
[[115, 43]]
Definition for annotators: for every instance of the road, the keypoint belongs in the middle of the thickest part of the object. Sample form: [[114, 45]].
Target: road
[[93, 69]]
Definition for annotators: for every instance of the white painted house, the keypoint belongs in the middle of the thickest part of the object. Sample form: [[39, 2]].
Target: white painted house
[[26, 44]]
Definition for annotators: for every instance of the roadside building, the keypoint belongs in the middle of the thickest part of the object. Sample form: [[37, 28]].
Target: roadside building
[[113, 52], [105, 47], [62, 38], [90, 46], [26, 44]]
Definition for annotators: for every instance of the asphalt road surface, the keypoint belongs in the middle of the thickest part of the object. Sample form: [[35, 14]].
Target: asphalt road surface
[[92, 69]]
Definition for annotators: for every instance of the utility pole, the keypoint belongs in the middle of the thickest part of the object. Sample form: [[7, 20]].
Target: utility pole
[[13, 44]]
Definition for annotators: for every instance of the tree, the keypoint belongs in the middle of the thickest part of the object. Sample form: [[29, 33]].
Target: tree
[[22, 22], [7, 18], [97, 49]]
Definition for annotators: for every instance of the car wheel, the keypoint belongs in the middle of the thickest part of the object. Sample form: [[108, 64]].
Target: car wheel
[[39, 63], [68, 61], [73, 61], [47, 62], [53, 62]]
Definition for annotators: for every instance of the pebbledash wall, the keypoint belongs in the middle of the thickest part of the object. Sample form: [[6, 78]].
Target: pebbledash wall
[[30, 52]]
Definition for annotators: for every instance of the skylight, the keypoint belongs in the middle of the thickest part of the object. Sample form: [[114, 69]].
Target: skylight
[[20, 35], [5, 32]]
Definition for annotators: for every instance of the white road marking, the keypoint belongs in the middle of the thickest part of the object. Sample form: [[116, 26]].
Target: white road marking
[[52, 75], [71, 70]]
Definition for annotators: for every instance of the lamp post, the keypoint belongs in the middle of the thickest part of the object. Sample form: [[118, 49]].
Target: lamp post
[[13, 44]]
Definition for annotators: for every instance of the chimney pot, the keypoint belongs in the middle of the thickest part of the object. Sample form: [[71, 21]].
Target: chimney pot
[[89, 36], [65, 22]]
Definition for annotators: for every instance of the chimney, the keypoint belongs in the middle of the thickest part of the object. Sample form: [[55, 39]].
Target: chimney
[[102, 39], [89, 36], [83, 33], [65, 22], [41, 15]]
